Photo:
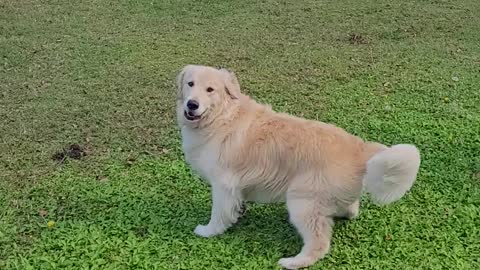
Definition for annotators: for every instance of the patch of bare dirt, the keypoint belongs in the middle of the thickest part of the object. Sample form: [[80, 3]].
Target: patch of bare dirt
[[73, 151], [356, 39]]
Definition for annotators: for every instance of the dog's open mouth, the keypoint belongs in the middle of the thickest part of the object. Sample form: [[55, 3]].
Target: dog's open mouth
[[191, 117]]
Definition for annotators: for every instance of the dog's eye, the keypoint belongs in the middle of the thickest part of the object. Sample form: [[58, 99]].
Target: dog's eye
[[190, 84], [209, 89]]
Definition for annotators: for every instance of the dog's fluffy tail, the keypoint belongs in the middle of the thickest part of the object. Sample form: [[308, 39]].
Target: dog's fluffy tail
[[391, 172]]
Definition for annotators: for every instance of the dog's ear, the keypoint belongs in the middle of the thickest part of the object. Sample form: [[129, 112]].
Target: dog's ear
[[179, 79], [232, 86]]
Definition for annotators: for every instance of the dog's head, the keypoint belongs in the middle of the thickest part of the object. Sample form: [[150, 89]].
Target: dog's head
[[203, 92]]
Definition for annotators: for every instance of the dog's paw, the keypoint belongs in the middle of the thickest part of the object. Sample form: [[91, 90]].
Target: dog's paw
[[206, 231], [296, 262], [287, 263]]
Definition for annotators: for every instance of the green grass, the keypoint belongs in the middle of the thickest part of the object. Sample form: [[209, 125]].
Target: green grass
[[101, 74]]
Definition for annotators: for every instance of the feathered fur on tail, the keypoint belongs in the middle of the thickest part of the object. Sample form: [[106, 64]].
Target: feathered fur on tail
[[391, 173]]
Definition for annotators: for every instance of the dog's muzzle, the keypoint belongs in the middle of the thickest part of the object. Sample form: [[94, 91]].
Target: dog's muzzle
[[191, 110]]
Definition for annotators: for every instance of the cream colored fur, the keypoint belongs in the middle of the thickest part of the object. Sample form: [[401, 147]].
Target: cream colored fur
[[248, 152]]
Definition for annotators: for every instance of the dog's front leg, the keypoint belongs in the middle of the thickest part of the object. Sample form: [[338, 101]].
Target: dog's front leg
[[226, 209]]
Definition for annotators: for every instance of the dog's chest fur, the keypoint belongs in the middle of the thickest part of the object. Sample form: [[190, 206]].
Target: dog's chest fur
[[201, 154]]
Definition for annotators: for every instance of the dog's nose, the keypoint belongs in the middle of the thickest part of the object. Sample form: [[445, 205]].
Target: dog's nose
[[192, 104]]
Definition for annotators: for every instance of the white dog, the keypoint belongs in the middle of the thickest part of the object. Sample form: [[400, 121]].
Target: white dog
[[248, 152]]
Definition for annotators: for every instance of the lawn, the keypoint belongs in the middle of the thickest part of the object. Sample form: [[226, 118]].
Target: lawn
[[91, 169]]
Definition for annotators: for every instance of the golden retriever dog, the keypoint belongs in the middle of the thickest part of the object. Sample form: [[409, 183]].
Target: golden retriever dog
[[248, 152]]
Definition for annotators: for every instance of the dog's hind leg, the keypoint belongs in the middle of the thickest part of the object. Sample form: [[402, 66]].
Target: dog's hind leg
[[315, 229], [226, 209]]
